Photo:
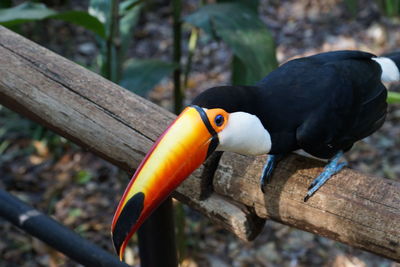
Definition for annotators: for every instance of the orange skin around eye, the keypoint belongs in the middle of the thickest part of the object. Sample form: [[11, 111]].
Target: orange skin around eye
[[213, 113], [181, 149]]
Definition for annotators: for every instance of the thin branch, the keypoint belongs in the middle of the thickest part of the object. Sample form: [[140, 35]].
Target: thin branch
[[53, 233], [194, 35], [113, 46], [177, 54]]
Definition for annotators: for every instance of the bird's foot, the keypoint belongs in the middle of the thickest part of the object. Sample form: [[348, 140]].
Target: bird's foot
[[268, 169], [330, 169]]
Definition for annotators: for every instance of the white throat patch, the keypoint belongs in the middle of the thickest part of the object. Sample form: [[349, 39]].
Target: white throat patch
[[244, 134]]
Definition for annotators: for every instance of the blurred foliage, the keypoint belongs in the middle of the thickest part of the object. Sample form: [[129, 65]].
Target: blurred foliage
[[234, 22], [238, 25], [83, 176], [113, 30], [28, 11], [390, 8], [145, 73], [15, 127], [352, 6], [118, 22], [393, 97]]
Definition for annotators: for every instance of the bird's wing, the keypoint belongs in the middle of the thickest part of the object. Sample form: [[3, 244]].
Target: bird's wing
[[355, 107]]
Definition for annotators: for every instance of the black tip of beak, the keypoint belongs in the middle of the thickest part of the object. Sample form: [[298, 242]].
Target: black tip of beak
[[127, 219]]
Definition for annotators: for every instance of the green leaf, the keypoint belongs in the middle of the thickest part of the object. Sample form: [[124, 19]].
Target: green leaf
[[35, 11], [75, 212], [4, 145], [130, 11], [140, 76], [101, 9], [240, 74], [83, 19], [127, 5], [83, 176], [393, 97], [242, 30], [129, 15], [23, 13]]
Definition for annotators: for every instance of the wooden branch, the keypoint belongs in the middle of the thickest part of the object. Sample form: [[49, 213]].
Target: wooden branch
[[353, 208], [102, 117]]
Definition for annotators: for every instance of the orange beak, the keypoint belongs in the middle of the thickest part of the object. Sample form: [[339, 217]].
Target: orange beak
[[181, 149]]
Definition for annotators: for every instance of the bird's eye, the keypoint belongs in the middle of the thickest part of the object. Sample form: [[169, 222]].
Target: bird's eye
[[219, 120]]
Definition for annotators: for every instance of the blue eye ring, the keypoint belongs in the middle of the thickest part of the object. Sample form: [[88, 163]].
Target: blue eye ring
[[219, 120]]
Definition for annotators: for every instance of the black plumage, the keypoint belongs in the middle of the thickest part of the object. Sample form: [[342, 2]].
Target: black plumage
[[321, 104]]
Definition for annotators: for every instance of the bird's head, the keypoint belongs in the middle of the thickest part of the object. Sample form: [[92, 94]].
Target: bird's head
[[181, 149]]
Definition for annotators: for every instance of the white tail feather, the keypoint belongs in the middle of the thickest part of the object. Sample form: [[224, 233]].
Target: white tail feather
[[390, 72]]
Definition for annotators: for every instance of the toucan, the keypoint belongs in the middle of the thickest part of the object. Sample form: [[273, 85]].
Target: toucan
[[321, 104]]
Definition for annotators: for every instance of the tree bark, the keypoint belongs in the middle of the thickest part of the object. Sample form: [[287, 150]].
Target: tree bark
[[352, 207]]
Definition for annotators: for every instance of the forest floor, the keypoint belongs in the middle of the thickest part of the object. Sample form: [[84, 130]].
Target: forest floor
[[82, 191]]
